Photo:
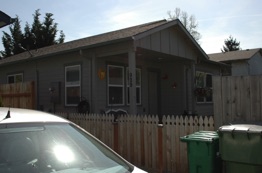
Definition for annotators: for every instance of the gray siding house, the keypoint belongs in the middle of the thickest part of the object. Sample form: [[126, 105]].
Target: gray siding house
[[153, 68], [242, 62]]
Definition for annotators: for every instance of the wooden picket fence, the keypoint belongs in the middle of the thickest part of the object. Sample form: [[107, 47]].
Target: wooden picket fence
[[142, 141], [19, 95]]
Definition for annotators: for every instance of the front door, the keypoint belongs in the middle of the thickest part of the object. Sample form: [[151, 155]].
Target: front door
[[153, 93]]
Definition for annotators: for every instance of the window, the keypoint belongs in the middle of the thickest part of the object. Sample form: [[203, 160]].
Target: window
[[209, 97], [72, 85], [138, 86], [15, 78], [115, 85], [203, 90]]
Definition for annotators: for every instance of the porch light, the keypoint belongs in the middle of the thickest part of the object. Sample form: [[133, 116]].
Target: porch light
[[5, 19]]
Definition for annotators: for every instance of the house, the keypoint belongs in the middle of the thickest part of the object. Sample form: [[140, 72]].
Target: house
[[5, 19], [242, 62], [151, 68]]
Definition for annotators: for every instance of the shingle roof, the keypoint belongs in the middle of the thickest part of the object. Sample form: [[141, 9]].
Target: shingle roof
[[234, 55], [87, 42]]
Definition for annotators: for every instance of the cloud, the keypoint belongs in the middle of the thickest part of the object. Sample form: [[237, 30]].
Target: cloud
[[124, 14], [239, 22], [121, 19]]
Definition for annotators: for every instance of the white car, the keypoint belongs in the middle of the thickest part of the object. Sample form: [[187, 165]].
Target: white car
[[38, 142]]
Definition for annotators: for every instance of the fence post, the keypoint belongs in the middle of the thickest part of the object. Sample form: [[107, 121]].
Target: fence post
[[33, 104], [115, 124], [160, 147]]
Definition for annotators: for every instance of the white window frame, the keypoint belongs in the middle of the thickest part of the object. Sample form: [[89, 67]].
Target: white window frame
[[15, 77], [122, 85], [204, 86], [72, 84], [138, 85]]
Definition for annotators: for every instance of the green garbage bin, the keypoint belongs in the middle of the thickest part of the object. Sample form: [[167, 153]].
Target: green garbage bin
[[202, 151], [241, 148]]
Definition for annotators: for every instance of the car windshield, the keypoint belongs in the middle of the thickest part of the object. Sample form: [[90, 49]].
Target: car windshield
[[54, 147]]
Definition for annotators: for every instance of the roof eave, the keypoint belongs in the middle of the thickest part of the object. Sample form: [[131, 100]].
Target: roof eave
[[32, 57], [87, 47], [217, 63]]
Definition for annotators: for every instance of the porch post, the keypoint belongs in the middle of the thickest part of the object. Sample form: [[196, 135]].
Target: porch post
[[93, 83], [132, 81]]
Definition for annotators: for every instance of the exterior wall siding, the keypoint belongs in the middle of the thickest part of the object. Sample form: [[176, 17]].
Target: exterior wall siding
[[165, 45], [27, 68], [240, 68], [255, 64], [169, 41], [57, 67]]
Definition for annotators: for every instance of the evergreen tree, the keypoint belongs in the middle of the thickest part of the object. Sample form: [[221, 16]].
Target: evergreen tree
[[39, 34], [12, 42], [231, 44]]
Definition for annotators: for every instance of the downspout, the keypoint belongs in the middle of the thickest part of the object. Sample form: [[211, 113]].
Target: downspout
[[192, 88]]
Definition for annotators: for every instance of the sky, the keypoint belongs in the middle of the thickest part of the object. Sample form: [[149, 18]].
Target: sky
[[217, 19]]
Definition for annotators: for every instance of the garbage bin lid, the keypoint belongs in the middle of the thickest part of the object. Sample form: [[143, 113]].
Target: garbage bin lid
[[201, 136], [241, 128]]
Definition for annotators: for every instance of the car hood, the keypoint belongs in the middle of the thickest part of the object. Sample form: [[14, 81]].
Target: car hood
[[137, 170]]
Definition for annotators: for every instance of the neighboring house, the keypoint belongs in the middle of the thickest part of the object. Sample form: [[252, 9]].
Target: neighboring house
[[146, 69], [242, 62], [5, 19]]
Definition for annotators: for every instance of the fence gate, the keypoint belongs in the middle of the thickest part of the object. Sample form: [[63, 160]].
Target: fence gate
[[18, 95]]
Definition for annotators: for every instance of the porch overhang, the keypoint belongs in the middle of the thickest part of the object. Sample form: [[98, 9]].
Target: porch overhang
[[156, 56]]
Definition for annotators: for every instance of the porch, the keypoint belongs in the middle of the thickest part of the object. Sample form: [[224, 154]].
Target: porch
[[160, 84]]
